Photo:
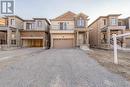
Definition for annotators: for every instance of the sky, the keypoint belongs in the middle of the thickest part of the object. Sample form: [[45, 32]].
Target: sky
[[28, 9]]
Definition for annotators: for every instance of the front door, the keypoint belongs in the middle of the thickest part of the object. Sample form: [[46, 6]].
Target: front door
[[81, 39]]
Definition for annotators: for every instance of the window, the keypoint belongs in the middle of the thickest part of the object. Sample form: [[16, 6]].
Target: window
[[39, 24], [80, 23], [63, 25], [29, 26], [12, 22], [113, 21], [13, 42], [2, 41], [104, 21]]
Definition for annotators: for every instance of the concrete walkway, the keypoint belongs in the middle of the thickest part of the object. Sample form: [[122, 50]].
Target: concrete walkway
[[59, 68]]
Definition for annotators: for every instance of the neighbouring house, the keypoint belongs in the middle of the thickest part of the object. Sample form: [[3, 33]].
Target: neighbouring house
[[126, 21], [35, 33], [10, 27], [3, 32], [69, 30], [16, 32], [102, 28]]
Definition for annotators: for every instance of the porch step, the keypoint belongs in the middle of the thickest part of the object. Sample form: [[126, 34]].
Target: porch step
[[84, 47]]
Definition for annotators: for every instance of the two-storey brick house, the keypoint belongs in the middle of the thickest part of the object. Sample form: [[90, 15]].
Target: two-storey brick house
[[15, 31], [125, 22], [35, 33], [102, 28], [10, 30], [69, 30]]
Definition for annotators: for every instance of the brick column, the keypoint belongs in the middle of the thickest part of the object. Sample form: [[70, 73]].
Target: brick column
[[9, 33], [17, 37], [87, 37], [77, 41], [51, 41], [108, 36], [124, 39]]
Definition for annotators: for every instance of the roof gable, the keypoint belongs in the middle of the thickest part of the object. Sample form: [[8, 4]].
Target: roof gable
[[68, 16]]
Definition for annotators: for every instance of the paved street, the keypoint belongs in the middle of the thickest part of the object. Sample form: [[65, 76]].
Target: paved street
[[58, 68]]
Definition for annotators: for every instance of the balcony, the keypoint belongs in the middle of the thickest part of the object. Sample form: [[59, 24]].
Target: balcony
[[4, 28], [61, 31], [56, 29], [116, 27]]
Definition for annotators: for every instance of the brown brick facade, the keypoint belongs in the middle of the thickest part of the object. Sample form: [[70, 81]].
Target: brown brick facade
[[32, 33]]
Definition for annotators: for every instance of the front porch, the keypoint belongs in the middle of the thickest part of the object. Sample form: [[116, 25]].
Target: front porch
[[106, 41], [82, 38]]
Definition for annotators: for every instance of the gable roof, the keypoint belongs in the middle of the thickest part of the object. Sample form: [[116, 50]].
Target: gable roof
[[68, 16], [103, 17], [81, 14]]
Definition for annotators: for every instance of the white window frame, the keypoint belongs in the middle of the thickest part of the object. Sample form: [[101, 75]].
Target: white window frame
[[64, 25], [113, 21], [80, 23], [39, 24], [12, 22]]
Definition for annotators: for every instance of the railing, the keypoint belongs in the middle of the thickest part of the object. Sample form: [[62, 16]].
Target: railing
[[117, 27], [62, 31], [36, 29], [3, 28], [57, 27]]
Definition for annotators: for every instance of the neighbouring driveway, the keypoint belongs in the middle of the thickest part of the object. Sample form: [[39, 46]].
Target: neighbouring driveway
[[59, 68], [18, 53]]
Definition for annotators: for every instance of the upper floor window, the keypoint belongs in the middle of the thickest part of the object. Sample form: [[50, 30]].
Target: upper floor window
[[39, 23], [29, 26], [12, 22], [104, 21], [80, 23], [113, 21], [63, 25]]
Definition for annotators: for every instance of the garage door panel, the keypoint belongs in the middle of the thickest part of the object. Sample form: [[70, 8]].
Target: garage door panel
[[63, 43], [33, 43]]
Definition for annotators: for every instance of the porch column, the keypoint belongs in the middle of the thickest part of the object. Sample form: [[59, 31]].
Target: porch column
[[108, 36], [5, 35], [44, 41], [77, 43], [87, 42], [9, 33], [17, 37], [51, 41], [124, 39]]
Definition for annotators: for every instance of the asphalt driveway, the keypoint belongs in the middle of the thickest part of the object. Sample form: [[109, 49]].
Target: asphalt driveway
[[59, 68]]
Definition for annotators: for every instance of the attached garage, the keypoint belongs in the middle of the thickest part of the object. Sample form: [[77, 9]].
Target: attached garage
[[128, 42], [32, 43], [63, 43]]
